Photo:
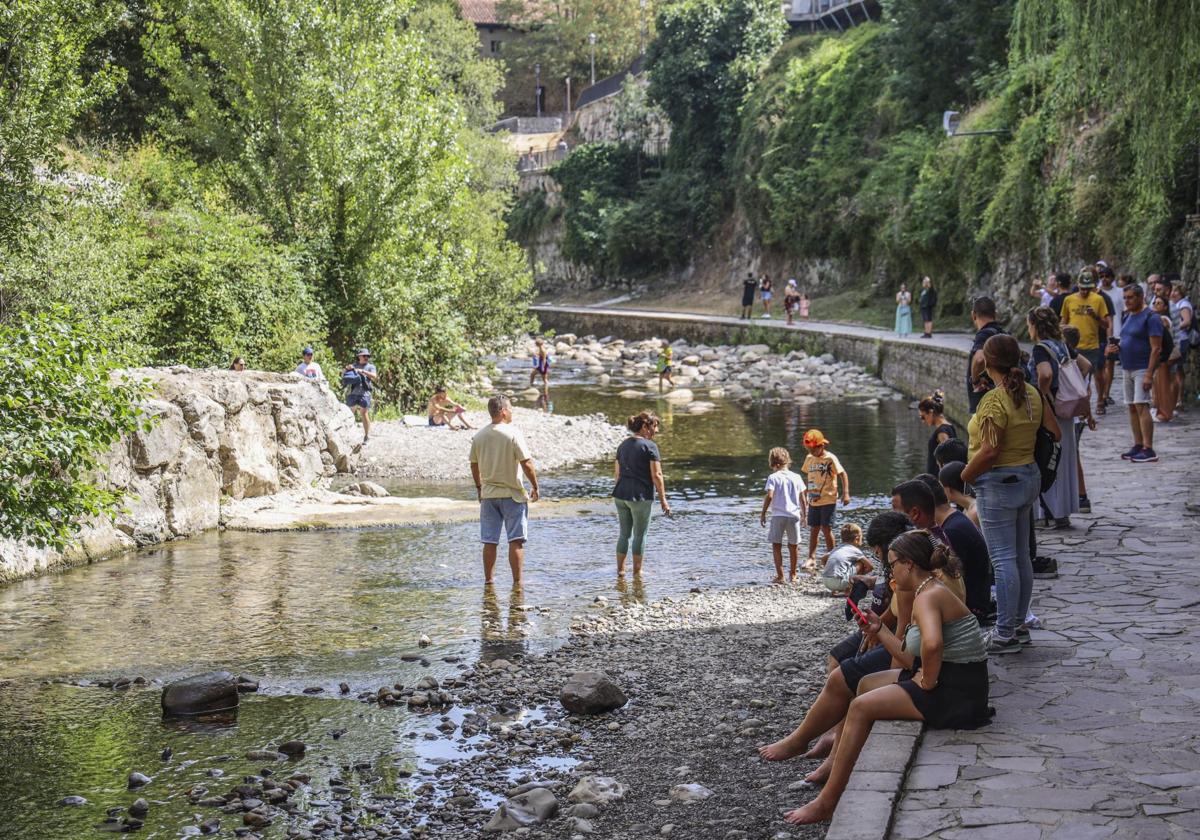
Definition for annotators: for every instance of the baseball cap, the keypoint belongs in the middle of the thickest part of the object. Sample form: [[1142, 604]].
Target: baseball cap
[[307, 351], [814, 437], [1087, 280]]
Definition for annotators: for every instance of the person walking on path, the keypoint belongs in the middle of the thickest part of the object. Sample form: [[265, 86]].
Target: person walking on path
[[791, 301], [359, 378], [541, 364], [903, 311], [1045, 361], [785, 502], [822, 470], [638, 473], [933, 414], [498, 457], [749, 287], [1164, 396], [804, 305], [766, 294], [307, 367], [1183, 326], [983, 317], [927, 302], [1140, 351], [1001, 467], [944, 681], [1087, 310]]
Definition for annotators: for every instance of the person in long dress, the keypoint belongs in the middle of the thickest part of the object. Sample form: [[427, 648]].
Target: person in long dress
[[903, 311]]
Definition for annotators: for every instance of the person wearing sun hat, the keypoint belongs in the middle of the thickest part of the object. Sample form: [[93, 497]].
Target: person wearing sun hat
[[359, 377], [822, 470]]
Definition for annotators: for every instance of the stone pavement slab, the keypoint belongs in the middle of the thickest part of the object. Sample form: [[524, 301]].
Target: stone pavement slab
[[1097, 731]]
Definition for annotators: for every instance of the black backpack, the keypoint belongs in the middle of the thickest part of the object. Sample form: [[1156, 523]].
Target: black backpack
[[1047, 451]]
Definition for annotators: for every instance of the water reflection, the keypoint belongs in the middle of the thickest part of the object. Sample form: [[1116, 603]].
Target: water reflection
[[506, 638]]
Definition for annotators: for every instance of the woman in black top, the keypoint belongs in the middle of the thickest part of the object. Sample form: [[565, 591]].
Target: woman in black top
[[638, 474], [927, 302], [933, 414]]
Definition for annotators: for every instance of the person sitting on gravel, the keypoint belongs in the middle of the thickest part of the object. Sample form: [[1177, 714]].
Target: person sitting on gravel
[[943, 680], [846, 561], [785, 502], [443, 411], [822, 470], [848, 661]]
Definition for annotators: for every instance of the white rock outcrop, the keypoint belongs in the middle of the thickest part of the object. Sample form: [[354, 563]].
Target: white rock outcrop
[[215, 434]]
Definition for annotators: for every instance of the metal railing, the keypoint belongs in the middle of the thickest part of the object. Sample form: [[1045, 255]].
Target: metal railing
[[820, 11]]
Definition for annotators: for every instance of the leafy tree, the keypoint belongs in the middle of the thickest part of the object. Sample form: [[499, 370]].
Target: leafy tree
[[939, 51], [454, 47], [333, 123], [61, 412], [42, 91]]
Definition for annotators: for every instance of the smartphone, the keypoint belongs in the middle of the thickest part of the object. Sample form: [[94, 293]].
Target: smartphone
[[857, 612]]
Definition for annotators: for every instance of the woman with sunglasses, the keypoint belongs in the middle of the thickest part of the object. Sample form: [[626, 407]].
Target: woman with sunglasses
[[944, 678]]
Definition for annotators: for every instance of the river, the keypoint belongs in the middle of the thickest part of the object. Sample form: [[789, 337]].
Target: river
[[312, 610]]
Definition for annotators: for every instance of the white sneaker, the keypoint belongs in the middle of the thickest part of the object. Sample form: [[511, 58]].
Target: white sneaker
[[766, 314]]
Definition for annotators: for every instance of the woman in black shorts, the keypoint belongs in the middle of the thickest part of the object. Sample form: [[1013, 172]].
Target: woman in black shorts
[[944, 683]]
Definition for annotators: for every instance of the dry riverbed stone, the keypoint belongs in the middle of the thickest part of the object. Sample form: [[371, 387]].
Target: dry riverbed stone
[[591, 693], [533, 807]]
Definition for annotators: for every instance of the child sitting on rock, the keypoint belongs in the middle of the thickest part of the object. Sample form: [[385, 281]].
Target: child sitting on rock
[[846, 560], [786, 504]]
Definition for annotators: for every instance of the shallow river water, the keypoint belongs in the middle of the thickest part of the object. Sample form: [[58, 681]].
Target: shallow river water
[[311, 610]]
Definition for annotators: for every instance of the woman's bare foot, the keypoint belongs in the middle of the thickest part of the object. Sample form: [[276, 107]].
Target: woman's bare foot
[[814, 812], [791, 578], [821, 774], [777, 579], [823, 746], [781, 750]]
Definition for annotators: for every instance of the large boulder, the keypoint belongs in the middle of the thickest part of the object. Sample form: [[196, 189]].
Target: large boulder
[[216, 691], [191, 492], [157, 446], [533, 807], [591, 693]]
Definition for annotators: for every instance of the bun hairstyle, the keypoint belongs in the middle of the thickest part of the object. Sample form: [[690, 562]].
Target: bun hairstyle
[[1002, 353], [935, 403], [925, 551], [637, 422], [1045, 323]]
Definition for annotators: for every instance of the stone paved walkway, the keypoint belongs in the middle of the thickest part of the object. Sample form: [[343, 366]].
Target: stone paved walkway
[[1097, 732]]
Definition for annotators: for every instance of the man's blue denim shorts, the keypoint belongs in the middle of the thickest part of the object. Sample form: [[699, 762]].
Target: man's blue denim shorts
[[496, 513]]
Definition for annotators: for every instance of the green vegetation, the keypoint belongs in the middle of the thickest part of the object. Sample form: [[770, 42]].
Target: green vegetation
[[62, 412], [213, 178]]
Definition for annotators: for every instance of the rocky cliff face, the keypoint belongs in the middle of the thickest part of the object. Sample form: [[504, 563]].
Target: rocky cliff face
[[215, 434]]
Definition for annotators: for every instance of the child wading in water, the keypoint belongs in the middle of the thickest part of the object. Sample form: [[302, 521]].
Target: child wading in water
[[541, 364], [665, 370], [786, 504], [822, 470]]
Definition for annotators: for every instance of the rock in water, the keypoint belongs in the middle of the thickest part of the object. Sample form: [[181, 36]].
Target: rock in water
[[531, 808], [680, 396], [137, 780], [293, 749], [424, 641], [139, 808], [216, 691], [71, 802], [371, 489], [591, 693], [690, 794], [597, 790]]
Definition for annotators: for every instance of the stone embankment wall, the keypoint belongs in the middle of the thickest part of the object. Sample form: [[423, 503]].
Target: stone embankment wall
[[914, 369], [215, 434]]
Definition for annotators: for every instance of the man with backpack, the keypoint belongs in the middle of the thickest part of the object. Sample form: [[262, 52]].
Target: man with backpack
[[359, 378]]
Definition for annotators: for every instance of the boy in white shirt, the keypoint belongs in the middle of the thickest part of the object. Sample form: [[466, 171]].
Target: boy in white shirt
[[786, 503]]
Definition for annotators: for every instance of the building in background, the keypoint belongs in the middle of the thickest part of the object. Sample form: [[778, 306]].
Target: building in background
[[493, 32]]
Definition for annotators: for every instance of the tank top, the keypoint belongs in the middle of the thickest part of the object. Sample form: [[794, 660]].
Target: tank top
[[962, 640]]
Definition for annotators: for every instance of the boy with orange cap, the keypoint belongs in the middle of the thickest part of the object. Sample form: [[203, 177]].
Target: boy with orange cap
[[821, 470]]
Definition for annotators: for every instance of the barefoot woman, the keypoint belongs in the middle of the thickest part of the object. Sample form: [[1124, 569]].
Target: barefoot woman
[[946, 684]]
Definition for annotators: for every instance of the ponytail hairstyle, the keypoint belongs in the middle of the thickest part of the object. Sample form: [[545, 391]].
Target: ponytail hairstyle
[[1045, 324], [1002, 353], [927, 552], [935, 403], [642, 420]]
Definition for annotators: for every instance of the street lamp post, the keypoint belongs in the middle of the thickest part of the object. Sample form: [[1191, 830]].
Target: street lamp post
[[592, 41], [537, 87], [642, 30]]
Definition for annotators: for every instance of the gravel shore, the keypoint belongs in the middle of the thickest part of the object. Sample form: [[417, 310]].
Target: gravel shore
[[709, 677], [437, 454]]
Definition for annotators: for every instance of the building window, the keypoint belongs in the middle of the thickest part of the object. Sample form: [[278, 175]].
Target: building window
[[495, 47]]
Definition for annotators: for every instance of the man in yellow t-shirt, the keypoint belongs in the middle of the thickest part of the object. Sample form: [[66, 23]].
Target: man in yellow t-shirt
[[1087, 311], [822, 470], [498, 457]]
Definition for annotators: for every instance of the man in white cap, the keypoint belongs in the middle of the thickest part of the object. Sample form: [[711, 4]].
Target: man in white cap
[[360, 377]]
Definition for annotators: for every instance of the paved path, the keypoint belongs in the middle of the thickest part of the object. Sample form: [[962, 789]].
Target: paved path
[[953, 341], [1097, 732]]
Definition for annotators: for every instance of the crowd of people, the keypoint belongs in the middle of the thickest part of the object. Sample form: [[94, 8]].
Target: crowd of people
[[950, 570], [795, 302]]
